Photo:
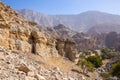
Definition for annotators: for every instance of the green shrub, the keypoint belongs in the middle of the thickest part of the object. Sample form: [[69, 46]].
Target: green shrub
[[107, 53], [86, 66], [115, 70], [95, 60]]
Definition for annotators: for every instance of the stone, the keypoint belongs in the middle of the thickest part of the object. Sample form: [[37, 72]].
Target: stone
[[29, 78], [23, 67], [71, 78], [31, 74], [39, 77]]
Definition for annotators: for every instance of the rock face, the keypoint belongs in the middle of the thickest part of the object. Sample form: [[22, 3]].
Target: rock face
[[67, 48], [17, 34], [14, 30], [43, 45]]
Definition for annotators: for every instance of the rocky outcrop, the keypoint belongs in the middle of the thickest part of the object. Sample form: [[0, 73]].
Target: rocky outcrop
[[67, 48], [42, 44], [14, 30], [17, 34]]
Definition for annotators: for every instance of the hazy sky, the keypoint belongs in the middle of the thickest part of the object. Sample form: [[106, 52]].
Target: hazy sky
[[66, 6]]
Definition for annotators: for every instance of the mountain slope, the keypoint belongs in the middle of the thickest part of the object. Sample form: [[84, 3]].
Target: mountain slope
[[104, 28], [79, 22]]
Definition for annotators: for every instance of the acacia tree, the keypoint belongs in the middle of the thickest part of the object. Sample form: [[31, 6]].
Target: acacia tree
[[95, 60]]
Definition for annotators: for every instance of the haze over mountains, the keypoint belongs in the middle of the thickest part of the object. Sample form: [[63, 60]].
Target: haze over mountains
[[86, 21]]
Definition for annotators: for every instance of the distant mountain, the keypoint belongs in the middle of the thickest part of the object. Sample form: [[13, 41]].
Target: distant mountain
[[64, 32], [79, 22], [104, 28]]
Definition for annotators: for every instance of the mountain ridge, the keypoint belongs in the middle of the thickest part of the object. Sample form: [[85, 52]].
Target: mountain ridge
[[89, 11], [80, 22]]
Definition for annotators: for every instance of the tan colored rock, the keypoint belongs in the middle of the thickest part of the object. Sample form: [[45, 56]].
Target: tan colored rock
[[23, 46], [39, 37], [39, 77], [60, 46], [31, 74], [4, 36], [67, 48], [14, 30], [12, 44], [42, 44], [4, 42], [30, 78], [16, 34], [23, 67]]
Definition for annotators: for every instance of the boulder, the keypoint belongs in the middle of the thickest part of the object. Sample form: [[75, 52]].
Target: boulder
[[39, 77], [23, 67], [31, 74]]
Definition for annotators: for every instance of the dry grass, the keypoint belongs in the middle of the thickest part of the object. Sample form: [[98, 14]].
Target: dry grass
[[52, 62], [60, 62]]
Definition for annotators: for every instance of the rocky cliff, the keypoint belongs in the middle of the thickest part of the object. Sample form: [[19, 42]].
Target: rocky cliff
[[14, 30], [17, 34]]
